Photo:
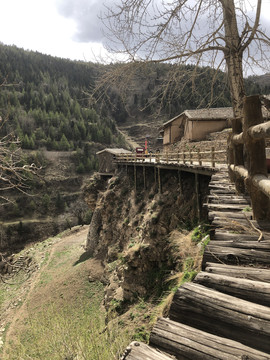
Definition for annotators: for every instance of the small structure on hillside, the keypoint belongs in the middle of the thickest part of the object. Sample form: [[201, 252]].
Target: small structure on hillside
[[106, 159], [195, 124]]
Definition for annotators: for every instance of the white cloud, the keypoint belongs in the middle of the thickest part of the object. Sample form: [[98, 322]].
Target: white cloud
[[37, 25]]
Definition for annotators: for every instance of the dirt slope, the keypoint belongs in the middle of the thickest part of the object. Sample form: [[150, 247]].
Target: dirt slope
[[57, 272]]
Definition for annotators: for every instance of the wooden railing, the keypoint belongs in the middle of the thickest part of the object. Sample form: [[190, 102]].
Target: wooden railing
[[197, 158], [247, 157]]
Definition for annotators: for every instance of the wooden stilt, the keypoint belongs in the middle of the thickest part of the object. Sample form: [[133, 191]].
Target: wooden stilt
[[144, 178], [159, 182], [135, 178], [197, 196], [180, 184]]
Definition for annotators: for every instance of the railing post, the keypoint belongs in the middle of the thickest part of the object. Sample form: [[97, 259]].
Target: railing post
[[256, 158], [190, 157], [178, 158], [157, 157], [199, 157]]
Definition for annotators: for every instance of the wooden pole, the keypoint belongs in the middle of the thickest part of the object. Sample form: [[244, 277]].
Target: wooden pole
[[180, 182], [135, 177], [144, 178], [159, 182], [199, 157], [256, 158], [197, 191], [213, 156]]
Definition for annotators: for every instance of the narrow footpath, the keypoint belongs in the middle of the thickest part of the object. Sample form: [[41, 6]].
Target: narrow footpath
[[225, 312]]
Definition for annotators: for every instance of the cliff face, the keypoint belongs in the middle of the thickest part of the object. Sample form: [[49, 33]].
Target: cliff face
[[131, 232]]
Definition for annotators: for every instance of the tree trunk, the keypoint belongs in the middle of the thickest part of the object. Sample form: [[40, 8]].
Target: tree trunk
[[234, 57]]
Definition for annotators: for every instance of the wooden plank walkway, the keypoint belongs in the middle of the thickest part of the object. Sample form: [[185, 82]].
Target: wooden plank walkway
[[225, 312]]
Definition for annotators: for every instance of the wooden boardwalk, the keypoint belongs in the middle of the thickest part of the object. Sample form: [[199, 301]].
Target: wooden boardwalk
[[225, 312]]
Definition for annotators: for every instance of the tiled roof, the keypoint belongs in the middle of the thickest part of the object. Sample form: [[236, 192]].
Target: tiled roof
[[114, 151]]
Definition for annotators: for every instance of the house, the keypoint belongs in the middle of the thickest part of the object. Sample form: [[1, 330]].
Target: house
[[106, 159], [195, 124]]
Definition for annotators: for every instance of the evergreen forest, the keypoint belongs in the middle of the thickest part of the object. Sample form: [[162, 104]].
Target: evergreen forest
[[44, 101]]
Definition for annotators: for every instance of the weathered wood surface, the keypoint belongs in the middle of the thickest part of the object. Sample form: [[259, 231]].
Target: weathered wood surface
[[185, 342], [255, 291], [263, 245], [223, 315], [244, 272], [139, 351], [229, 215], [232, 255], [223, 235], [225, 199], [237, 224], [221, 190], [226, 207]]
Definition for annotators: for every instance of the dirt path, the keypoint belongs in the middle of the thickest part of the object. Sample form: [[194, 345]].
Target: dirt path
[[57, 260]]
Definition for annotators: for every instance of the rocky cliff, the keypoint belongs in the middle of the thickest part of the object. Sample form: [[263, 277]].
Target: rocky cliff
[[140, 235]]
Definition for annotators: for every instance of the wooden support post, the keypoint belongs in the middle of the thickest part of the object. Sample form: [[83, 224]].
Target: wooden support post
[[159, 182], [213, 156], [184, 157], [180, 182], [190, 157], [155, 176], [256, 158], [135, 177], [144, 178], [197, 191], [178, 158]]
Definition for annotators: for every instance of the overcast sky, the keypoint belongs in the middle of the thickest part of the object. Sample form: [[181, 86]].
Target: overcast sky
[[63, 28]]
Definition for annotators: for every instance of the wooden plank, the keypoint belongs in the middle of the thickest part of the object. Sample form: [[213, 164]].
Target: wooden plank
[[231, 255], [232, 223], [255, 291], [138, 351], [222, 191], [186, 342], [223, 235], [228, 188], [229, 215], [225, 207], [227, 199], [244, 272], [223, 315], [244, 244]]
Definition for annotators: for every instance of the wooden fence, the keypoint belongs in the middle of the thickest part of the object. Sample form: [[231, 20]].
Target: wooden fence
[[247, 157], [209, 158]]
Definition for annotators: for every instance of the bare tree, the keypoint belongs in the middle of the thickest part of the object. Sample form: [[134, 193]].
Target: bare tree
[[222, 33], [14, 172]]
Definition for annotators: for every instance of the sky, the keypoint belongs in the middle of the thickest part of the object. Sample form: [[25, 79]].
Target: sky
[[63, 28]]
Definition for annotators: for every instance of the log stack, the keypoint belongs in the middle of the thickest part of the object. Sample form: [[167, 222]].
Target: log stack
[[225, 312]]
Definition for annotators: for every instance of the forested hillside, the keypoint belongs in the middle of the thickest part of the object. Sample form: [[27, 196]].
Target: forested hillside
[[46, 99]]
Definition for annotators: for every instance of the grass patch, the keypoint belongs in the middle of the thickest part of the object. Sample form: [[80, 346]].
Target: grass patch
[[70, 331]]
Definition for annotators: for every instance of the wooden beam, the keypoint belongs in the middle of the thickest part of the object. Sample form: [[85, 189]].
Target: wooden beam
[[230, 317], [186, 342], [260, 131], [138, 351], [250, 273], [256, 291]]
